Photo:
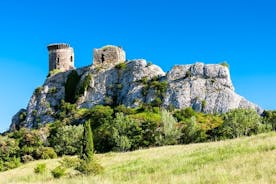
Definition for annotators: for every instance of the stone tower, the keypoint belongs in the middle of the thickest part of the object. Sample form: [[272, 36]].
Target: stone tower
[[61, 57], [109, 55]]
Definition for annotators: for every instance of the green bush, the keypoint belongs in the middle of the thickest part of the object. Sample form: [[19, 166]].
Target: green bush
[[169, 133], [191, 131], [67, 111], [84, 85], [58, 172], [100, 114], [108, 100], [240, 122], [121, 66], [89, 167], [149, 63], [52, 90], [66, 139], [11, 163], [48, 153], [53, 72], [125, 110], [224, 64], [69, 162], [188, 74], [184, 114], [269, 118], [40, 169], [38, 90], [157, 102], [71, 87], [125, 133], [203, 104]]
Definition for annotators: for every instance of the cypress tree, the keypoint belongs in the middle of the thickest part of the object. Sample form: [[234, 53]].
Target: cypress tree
[[87, 144]]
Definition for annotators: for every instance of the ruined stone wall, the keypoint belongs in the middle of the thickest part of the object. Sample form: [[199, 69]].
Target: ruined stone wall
[[109, 55], [61, 57]]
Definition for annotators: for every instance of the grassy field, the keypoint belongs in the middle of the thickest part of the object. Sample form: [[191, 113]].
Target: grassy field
[[243, 160]]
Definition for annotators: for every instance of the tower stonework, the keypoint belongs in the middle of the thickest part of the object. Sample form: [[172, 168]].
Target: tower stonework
[[61, 57], [109, 55]]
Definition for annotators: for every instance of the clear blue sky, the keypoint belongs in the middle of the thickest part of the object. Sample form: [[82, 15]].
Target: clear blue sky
[[166, 32]]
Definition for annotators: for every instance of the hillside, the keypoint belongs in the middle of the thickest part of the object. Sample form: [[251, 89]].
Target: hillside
[[243, 160]]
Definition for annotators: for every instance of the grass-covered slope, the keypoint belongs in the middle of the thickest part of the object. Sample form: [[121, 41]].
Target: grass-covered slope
[[243, 160]]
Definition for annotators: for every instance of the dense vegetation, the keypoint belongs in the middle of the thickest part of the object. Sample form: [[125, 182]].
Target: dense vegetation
[[124, 129]]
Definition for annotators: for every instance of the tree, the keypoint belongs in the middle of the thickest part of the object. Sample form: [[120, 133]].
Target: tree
[[87, 152], [66, 139], [88, 165], [269, 118], [240, 122], [169, 131]]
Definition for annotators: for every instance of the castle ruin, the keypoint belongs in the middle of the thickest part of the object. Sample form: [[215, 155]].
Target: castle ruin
[[109, 55], [61, 57]]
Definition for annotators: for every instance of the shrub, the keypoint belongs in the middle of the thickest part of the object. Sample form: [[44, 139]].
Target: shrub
[[240, 122], [224, 64], [38, 90], [89, 167], [108, 100], [11, 163], [67, 110], [169, 133], [269, 118], [66, 139], [53, 72], [121, 66], [149, 64], [184, 114], [52, 90], [58, 172], [22, 116], [8, 148], [188, 74], [84, 85], [119, 86], [125, 110], [100, 114], [27, 158], [68, 162], [144, 80], [203, 104], [48, 153], [125, 133], [191, 132], [40, 168], [71, 87]]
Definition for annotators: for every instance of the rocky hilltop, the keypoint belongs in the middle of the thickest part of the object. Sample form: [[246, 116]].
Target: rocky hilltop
[[204, 87]]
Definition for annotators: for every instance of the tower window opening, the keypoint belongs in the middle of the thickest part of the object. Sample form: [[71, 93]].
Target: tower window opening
[[71, 58], [102, 58], [58, 60]]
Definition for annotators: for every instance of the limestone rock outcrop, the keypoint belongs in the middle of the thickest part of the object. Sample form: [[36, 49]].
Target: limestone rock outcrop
[[204, 87]]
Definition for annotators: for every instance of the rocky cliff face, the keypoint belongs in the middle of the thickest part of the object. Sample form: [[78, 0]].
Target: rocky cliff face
[[207, 88]]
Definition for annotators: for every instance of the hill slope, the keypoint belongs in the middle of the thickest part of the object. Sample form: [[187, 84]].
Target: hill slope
[[243, 160]]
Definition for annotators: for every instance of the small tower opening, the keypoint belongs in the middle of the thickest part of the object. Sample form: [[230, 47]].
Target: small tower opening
[[102, 58], [71, 58]]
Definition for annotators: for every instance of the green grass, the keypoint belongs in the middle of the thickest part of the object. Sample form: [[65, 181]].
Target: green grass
[[243, 160]]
